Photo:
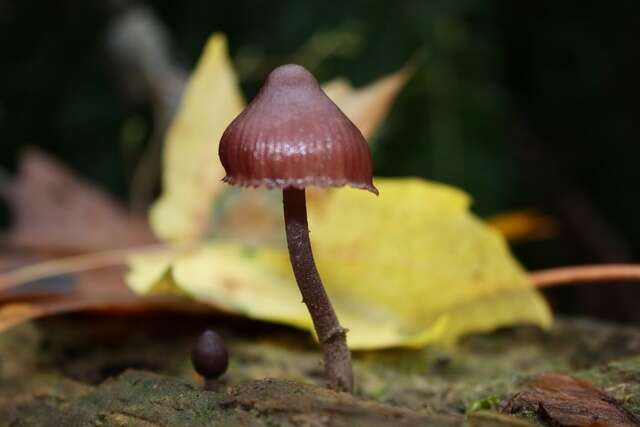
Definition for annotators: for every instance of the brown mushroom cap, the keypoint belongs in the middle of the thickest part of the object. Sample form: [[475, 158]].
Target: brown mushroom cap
[[293, 135], [209, 355]]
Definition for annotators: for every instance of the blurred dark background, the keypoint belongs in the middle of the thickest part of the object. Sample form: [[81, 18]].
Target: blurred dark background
[[522, 105]]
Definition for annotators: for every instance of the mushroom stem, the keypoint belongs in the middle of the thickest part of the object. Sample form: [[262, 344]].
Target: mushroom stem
[[212, 384], [332, 336]]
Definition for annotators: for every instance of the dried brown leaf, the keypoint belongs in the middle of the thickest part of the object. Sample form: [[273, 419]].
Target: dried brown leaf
[[562, 401], [367, 106], [54, 211]]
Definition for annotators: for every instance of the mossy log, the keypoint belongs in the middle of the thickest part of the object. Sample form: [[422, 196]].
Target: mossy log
[[135, 371]]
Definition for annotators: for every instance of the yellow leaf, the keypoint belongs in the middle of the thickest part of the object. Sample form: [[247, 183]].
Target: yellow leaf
[[409, 268], [192, 171]]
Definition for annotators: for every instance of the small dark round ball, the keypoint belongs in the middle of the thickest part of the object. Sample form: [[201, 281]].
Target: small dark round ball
[[209, 356]]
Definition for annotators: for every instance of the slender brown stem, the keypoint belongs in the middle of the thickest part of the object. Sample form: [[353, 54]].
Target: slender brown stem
[[212, 384], [585, 274], [332, 337]]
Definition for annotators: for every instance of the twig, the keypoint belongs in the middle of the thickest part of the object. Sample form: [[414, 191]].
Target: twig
[[605, 273], [139, 44], [73, 264]]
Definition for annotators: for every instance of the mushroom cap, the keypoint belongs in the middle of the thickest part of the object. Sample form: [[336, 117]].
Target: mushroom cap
[[209, 356], [293, 135]]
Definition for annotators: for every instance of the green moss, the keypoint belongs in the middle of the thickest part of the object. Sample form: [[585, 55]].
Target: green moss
[[486, 403]]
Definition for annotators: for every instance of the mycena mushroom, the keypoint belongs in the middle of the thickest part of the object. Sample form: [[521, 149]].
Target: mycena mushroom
[[210, 358], [290, 137]]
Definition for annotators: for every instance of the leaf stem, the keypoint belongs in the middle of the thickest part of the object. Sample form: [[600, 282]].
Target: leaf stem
[[604, 273], [332, 337]]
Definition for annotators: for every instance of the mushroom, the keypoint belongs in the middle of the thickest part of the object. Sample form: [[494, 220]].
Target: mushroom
[[290, 137], [210, 358]]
